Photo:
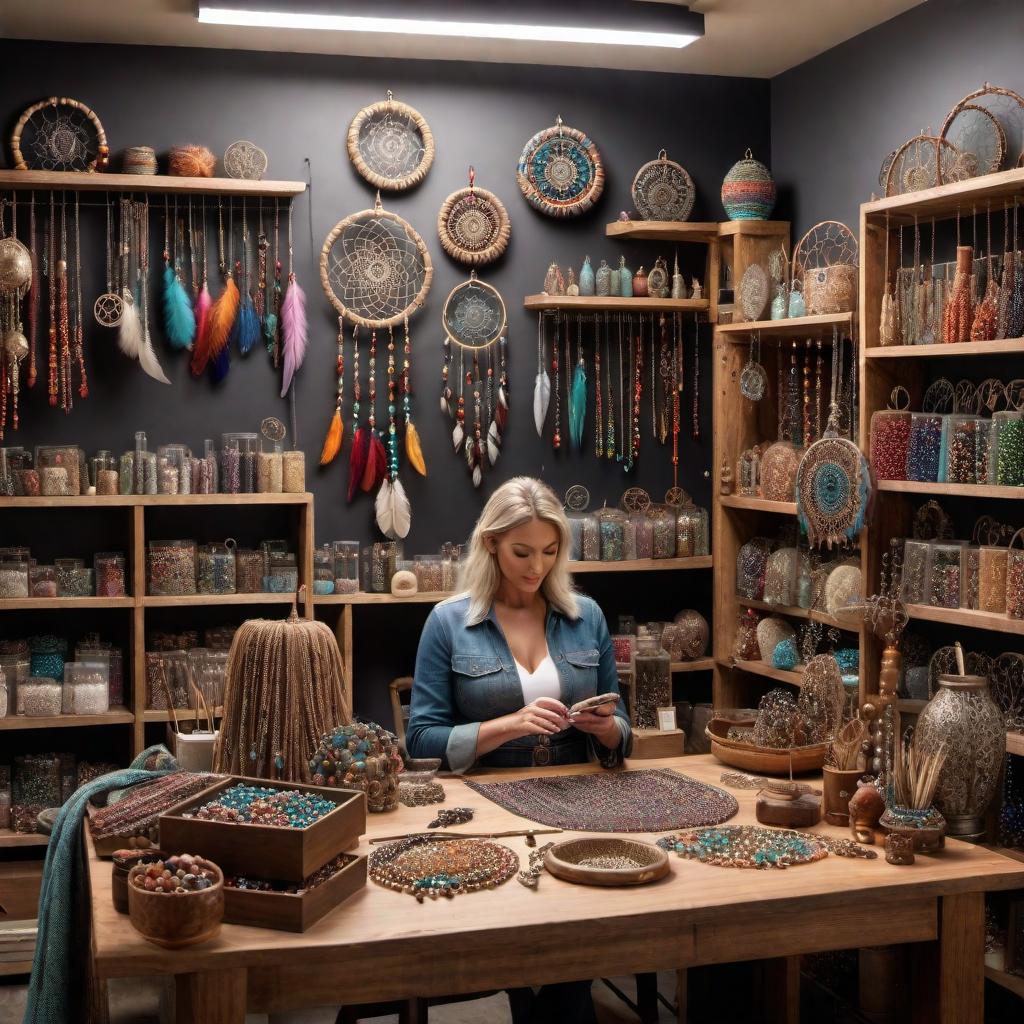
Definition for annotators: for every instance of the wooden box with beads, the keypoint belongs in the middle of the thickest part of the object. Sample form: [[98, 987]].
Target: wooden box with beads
[[266, 828]]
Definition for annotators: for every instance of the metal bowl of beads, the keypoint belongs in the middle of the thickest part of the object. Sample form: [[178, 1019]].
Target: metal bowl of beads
[[177, 902], [747, 756], [607, 861]]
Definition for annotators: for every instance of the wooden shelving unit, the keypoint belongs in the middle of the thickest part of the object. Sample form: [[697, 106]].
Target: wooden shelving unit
[[14, 840], [1015, 743], [1011, 982], [115, 716], [966, 617], [982, 491], [752, 504], [850, 623], [1007, 346], [664, 230], [80, 181], [759, 668], [613, 304], [801, 327]]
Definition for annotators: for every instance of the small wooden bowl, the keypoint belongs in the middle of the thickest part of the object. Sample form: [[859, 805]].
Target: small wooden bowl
[[174, 920], [760, 760], [563, 861]]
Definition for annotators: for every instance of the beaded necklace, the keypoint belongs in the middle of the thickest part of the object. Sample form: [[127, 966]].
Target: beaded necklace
[[751, 846]]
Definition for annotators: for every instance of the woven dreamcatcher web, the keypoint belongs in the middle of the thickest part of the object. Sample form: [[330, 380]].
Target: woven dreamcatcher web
[[1006, 106], [59, 134], [375, 268], [560, 172], [474, 314], [977, 133], [663, 190], [825, 268], [473, 225], [924, 162], [390, 144]]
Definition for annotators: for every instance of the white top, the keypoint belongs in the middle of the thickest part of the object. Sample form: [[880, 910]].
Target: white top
[[543, 681]]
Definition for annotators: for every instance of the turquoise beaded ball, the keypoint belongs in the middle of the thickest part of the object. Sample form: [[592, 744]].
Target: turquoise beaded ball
[[363, 756], [748, 191], [785, 656]]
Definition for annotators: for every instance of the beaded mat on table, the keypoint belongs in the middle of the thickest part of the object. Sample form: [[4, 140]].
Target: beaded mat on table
[[649, 800]]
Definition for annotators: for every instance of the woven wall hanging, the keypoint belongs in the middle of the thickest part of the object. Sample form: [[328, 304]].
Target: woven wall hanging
[[560, 171], [59, 134], [825, 268], [244, 159], [663, 190], [925, 161], [391, 145], [753, 292], [1006, 106], [473, 225]]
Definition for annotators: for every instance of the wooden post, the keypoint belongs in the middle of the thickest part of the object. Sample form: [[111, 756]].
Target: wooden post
[[214, 997]]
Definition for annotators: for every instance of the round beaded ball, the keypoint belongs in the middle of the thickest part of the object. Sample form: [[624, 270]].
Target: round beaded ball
[[748, 191]]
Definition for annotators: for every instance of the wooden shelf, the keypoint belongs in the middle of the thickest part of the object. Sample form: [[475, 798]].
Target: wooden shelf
[[988, 190], [426, 597], [1006, 851], [9, 604], [115, 716], [1011, 982], [1008, 346], [156, 500], [9, 839], [1015, 743], [851, 623], [98, 182], [782, 508], [697, 665], [11, 968], [643, 565], [199, 600], [613, 303], [966, 617], [663, 230], [952, 490], [759, 668], [184, 715], [797, 327], [753, 229]]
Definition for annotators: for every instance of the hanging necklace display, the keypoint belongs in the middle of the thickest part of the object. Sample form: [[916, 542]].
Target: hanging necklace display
[[833, 484], [638, 377], [179, 317], [211, 346], [541, 384], [59, 134], [108, 306], [753, 379], [793, 417], [33, 294], [294, 334], [79, 331], [753, 292], [272, 321], [663, 190], [609, 441], [598, 394], [390, 145], [556, 437], [245, 160], [807, 422], [986, 313], [15, 282], [64, 326], [578, 393], [560, 171], [888, 328], [473, 225], [695, 362]]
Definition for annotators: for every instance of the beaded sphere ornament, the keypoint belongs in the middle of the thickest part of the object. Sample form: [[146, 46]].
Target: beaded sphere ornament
[[774, 724], [748, 191], [363, 756], [560, 171]]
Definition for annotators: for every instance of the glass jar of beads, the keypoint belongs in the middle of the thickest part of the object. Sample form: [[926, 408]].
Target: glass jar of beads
[[6, 476], [970, 566], [967, 455], [102, 460], [206, 470], [379, 564], [13, 579], [643, 533], [215, 567], [40, 697], [86, 689], [663, 523], [889, 443], [748, 472], [16, 462], [238, 463], [73, 579], [611, 528], [944, 576], [171, 568], [92, 649], [914, 582], [293, 472], [1006, 462], [652, 681], [1015, 578], [15, 667], [628, 539], [50, 461], [249, 571], [583, 537], [282, 574], [126, 473], [174, 469], [992, 579], [5, 706], [323, 571], [109, 569], [751, 562], [270, 469], [691, 532], [926, 446], [427, 569], [346, 567]]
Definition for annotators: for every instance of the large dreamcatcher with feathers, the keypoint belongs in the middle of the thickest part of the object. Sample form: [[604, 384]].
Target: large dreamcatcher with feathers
[[475, 322], [59, 134], [376, 272]]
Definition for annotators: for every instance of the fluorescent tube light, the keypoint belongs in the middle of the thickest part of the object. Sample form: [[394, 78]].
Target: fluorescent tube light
[[424, 27]]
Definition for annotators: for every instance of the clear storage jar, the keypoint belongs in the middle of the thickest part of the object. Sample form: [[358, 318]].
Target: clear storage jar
[[93, 649], [968, 450], [323, 571], [282, 575], [49, 459], [42, 580], [126, 473], [174, 469], [109, 567], [13, 579], [1006, 461], [611, 525], [748, 472], [992, 579], [926, 447], [945, 575], [215, 568], [652, 681], [102, 460], [40, 697], [250, 568], [379, 564], [970, 569], [293, 472], [15, 668], [171, 568], [692, 532], [916, 575], [663, 522], [238, 462], [427, 569], [86, 689], [889, 443], [270, 470], [346, 566], [73, 579]]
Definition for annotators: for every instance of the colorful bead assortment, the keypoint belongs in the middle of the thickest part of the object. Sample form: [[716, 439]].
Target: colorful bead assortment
[[261, 805], [327, 872], [175, 876], [750, 846], [360, 756], [748, 191], [924, 456], [449, 816], [890, 443]]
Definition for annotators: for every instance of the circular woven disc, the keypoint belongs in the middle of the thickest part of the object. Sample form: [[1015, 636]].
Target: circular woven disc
[[560, 172], [663, 190], [753, 292], [473, 226], [390, 145], [245, 159], [577, 498], [977, 133]]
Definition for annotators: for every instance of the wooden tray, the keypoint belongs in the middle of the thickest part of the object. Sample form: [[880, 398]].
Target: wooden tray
[[294, 912], [267, 851], [760, 760], [562, 861]]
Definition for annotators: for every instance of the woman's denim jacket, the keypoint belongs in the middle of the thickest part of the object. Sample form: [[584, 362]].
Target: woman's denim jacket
[[466, 675]]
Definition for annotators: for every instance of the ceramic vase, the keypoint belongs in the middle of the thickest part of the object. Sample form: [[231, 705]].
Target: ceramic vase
[[625, 288], [797, 306], [640, 284], [602, 279], [587, 283]]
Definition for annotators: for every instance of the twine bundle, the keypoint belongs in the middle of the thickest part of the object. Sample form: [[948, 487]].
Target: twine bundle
[[191, 162], [284, 691]]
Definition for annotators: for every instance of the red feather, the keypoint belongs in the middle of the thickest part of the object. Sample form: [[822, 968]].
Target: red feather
[[357, 460], [376, 464]]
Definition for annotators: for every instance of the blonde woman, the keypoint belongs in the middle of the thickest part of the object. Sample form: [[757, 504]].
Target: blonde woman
[[500, 665]]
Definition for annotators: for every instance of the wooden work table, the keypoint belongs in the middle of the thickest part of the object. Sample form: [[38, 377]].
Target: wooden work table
[[383, 945]]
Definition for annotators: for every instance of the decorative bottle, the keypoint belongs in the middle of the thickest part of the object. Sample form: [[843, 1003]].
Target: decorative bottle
[[640, 284], [587, 283], [625, 280], [572, 288], [602, 279], [678, 282]]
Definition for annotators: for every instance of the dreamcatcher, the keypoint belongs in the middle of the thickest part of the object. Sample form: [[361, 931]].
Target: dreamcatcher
[[560, 171], [473, 225], [391, 145], [833, 483], [16, 279], [376, 272], [1006, 107], [925, 161], [474, 318], [977, 133], [246, 160], [825, 268], [59, 134], [663, 190], [753, 378]]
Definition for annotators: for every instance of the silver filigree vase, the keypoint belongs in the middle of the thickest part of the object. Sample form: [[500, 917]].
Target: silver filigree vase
[[963, 716]]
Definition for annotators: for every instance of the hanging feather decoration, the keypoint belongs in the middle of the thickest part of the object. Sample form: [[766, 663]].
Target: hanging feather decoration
[[219, 322], [247, 325], [497, 428], [578, 405], [542, 385], [474, 459], [179, 318], [376, 468], [357, 460], [413, 449], [220, 364], [148, 359], [393, 514], [458, 434], [294, 332], [203, 303], [129, 332], [332, 442]]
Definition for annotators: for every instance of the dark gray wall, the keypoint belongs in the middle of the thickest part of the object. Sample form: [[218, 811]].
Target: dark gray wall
[[297, 106], [836, 117]]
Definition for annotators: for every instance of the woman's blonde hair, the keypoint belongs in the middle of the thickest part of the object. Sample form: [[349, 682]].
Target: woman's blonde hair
[[515, 502]]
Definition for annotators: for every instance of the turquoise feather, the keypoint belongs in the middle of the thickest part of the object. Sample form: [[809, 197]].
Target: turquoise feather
[[247, 326], [179, 317], [269, 330], [578, 405]]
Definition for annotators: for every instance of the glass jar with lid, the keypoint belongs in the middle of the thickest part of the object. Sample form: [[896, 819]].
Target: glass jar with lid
[[652, 681], [346, 566], [611, 524], [691, 532], [215, 567], [171, 567], [663, 524], [323, 570]]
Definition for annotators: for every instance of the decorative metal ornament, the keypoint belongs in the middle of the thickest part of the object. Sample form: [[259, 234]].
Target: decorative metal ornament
[[1006, 106], [825, 268], [560, 171], [883, 173], [925, 161], [375, 269], [244, 159], [977, 133], [663, 190], [108, 309], [59, 134], [577, 498], [473, 225], [636, 499], [676, 497], [753, 292], [657, 280], [391, 145], [15, 267], [273, 429], [753, 378]]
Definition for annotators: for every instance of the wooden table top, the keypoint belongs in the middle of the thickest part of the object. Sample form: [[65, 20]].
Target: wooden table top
[[692, 895]]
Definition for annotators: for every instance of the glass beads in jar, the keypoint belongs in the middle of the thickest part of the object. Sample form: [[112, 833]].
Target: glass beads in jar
[[970, 566], [751, 562], [691, 532], [86, 689], [171, 568], [92, 649], [1006, 461], [652, 681], [102, 460], [663, 522], [13, 579], [323, 571], [926, 447], [944, 576], [241, 447], [346, 567], [126, 473], [643, 533], [5, 703], [40, 697], [427, 569], [968, 450], [15, 667], [611, 529], [250, 568], [270, 471], [215, 568], [293, 472], [585, 537], [992, 579], [73, 579], [174, 469], [748, 469], [914, 582], [890, 443], [1015, 579], [50, 460], [282, 574], [109, 571]]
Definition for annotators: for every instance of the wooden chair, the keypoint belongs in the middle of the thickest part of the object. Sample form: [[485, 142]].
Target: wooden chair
[[400, 712]]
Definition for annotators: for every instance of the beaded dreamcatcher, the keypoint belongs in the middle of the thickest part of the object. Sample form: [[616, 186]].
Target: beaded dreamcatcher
[[833, 483], [825, 268], [475, 320], [925, 161], [376, 272], [966, 127], [391, 145], [663, 190], [473, 225], [59, 134], [560, 171], [244, 159]]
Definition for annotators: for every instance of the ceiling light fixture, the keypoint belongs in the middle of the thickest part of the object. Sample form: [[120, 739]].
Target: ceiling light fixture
[[650, 24]]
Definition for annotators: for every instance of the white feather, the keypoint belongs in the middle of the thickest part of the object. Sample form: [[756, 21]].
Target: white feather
[[385, 513], [149, 362], [394, 516], [493, 443], [445, 407], [457, 436], [541, 400], [129, 334]]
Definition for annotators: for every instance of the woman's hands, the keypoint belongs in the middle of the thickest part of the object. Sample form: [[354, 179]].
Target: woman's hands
[[545, 716], [599, 723]]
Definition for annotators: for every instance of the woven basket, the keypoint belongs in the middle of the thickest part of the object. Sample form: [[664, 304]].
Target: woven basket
[[831, 289], [748, 191]]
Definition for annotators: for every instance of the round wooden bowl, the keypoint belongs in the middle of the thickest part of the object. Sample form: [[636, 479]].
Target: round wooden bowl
[[564, 861], [760, 760], [174, 920]]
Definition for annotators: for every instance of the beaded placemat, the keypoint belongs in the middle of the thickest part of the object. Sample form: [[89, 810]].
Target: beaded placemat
[[648, 800]]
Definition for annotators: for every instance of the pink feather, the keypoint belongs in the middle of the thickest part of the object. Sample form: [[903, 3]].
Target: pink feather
[[203, 304], [293, 330]]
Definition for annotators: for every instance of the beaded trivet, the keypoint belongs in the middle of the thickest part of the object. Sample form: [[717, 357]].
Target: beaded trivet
[[419, 794], [750, 846], [423, 866], [649, 800]]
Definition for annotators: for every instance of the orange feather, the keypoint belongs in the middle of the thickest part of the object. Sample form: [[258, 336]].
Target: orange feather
[[221, 317], [413, 449], [332, 442]]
